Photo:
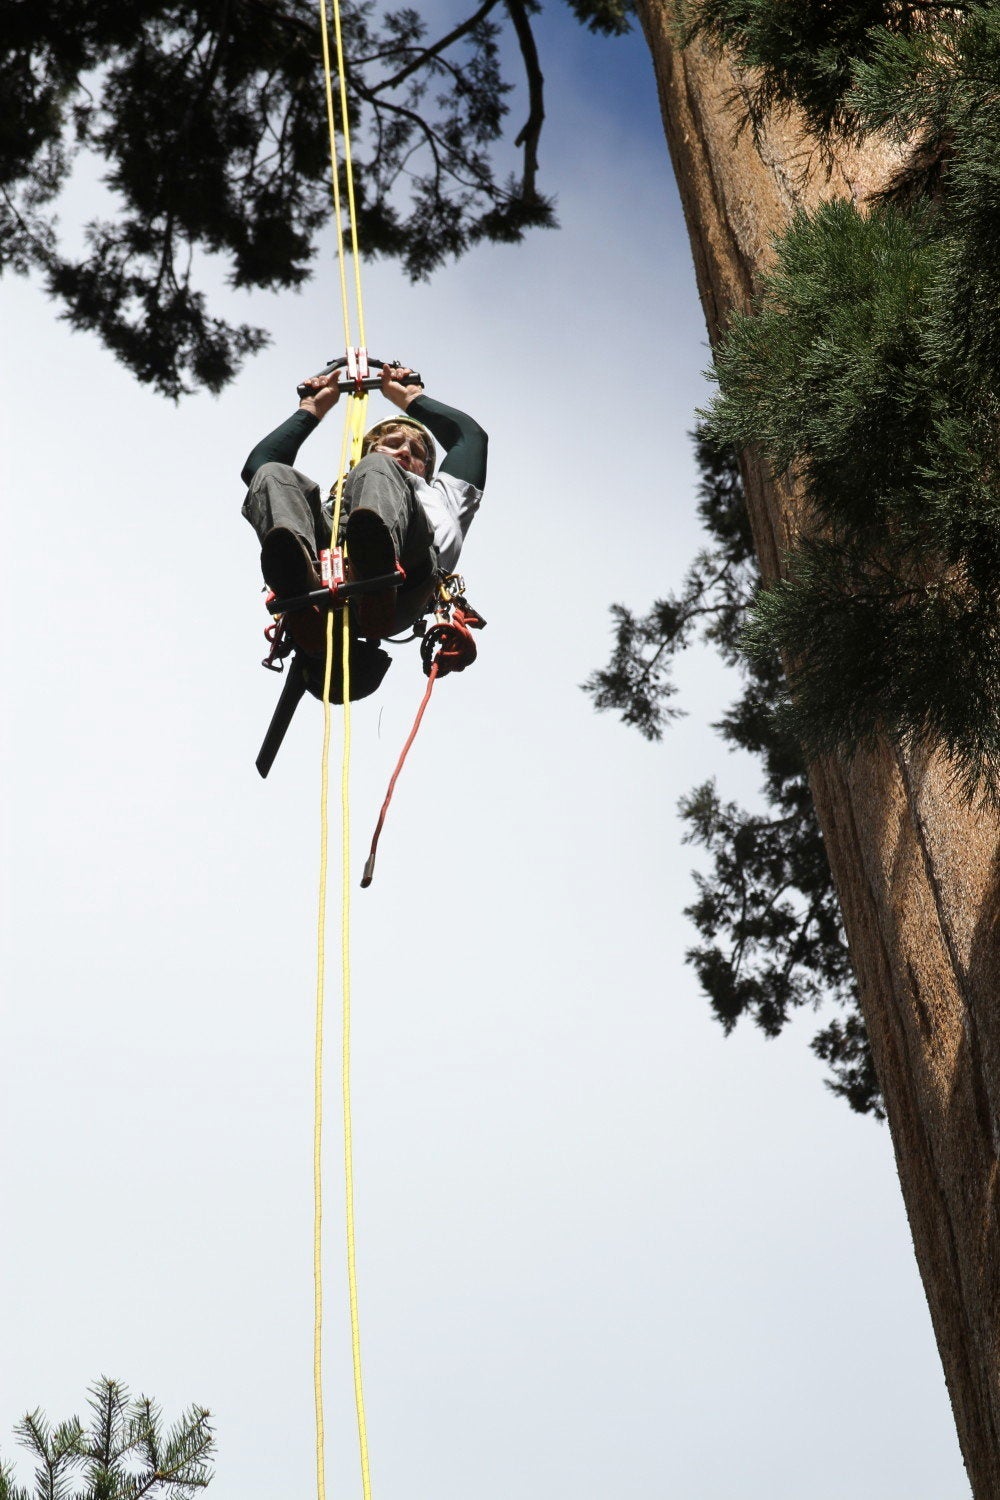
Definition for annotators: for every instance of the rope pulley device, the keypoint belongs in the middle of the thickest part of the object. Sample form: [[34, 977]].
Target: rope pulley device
[[449, 646], [357, 365]]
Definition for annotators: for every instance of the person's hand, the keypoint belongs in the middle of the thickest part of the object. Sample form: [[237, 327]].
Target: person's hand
[[324, 392], [395, 388]]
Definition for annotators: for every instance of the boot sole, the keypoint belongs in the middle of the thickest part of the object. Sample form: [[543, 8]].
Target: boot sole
[[371, 553], [286, 564]]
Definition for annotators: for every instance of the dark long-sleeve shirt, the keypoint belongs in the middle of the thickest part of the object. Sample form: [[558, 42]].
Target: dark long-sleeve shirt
[[464, 441], [450, 499]]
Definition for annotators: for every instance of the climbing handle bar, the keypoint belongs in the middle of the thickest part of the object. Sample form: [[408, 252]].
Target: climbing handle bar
[[359, 381], [331, 598]]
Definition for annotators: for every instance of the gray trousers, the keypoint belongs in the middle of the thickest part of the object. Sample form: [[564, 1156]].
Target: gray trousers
[[282, 496]]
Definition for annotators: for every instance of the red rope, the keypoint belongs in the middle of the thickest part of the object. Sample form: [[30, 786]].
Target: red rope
[[450, 643], [447, 647], [369, 871]]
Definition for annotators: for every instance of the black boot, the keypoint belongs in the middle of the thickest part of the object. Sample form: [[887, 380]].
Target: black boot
[[371, 553], [288, 566], [290, 570]]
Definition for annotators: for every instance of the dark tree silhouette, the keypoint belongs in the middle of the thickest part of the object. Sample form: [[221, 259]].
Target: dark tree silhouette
[[208, 123]]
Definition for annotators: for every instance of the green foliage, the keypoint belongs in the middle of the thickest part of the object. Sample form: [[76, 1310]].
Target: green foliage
[[805, 52], [606, 17], [822, 375], [636, 683], [766, 912], [772, 938], [125, 1453], [870, 370], [209, 123]]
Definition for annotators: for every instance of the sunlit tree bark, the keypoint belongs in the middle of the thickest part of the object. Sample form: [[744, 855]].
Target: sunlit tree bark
[[916, 869]]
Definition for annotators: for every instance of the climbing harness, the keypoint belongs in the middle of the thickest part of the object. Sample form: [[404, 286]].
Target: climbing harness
[[307, 673], [448, 640], [334, 593], [353, 671]]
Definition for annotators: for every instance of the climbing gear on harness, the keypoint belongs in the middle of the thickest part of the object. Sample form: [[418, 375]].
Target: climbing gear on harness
[[335, 590], [281, 645], [447, 646], [301, 622]]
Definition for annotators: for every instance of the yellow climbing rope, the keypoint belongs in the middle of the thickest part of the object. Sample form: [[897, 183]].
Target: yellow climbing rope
[[354, 428]]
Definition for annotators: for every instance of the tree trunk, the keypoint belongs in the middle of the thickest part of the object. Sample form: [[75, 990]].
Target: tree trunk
[[917, 873]]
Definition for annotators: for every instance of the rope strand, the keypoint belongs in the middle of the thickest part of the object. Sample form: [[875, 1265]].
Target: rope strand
[[334, 175], [324, 823], [352, 435]]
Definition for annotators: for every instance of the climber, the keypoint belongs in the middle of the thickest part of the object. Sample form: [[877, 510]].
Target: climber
[[395, 508]]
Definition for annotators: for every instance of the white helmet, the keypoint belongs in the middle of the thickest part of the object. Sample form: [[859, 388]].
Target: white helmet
[[393, 424]]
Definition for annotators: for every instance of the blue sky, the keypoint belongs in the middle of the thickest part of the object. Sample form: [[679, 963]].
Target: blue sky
[[602, 1250]]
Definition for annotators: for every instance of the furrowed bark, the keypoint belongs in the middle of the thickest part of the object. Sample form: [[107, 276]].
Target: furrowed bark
[[918, 873]]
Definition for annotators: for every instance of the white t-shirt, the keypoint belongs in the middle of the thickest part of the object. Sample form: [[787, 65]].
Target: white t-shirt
[[449, 505]]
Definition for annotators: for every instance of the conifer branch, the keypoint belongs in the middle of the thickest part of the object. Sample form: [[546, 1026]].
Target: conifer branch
[[530, 132], [766, 911], [122, 1434], [240, 171], [424, 55]]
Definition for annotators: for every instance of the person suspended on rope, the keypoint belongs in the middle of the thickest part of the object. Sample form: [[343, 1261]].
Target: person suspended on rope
[[398, 505]]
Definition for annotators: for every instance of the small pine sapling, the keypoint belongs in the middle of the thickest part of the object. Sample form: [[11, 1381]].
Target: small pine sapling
[[124, 1453]]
